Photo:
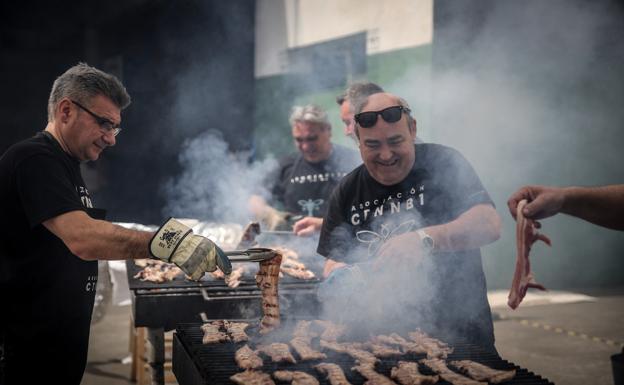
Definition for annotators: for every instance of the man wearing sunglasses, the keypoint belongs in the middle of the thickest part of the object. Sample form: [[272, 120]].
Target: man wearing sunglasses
[[303, 181], [411, 219], [51, 235]]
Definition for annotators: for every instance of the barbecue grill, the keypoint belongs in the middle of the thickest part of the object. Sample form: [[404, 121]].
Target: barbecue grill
[[161, 306], [195, 363]]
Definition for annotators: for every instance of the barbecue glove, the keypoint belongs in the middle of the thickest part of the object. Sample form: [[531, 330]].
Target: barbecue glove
[[175, 242]]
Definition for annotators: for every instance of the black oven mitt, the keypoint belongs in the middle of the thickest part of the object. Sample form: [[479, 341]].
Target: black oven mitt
[[174, 242]]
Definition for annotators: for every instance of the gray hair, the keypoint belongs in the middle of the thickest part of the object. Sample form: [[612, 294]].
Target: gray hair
[[310, 113], [358, 91], [82, 83]]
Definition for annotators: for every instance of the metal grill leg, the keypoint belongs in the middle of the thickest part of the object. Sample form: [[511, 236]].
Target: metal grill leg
[[156, 358]]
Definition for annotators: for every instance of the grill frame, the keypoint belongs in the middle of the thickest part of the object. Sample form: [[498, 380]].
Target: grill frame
[[194, 363], [164, 305]]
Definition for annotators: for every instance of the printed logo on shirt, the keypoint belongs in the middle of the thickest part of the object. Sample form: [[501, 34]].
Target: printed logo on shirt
[[310, 206], [85, 198], [317, 178], [376, 240], [91, 283], [390, 205]]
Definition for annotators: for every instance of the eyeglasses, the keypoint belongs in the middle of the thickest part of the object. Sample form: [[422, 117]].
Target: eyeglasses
[[104, 123], [391, 115]]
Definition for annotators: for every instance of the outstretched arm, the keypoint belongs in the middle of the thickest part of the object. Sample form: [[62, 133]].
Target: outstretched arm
[[603, 206]]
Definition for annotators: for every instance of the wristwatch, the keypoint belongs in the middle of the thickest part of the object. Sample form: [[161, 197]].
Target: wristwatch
[[426, 240]]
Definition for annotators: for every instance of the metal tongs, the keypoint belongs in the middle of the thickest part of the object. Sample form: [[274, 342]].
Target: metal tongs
[[254, 254]]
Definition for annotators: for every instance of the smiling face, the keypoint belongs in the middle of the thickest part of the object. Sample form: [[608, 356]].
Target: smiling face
[[387, 149], [312, 140], [80, 132]]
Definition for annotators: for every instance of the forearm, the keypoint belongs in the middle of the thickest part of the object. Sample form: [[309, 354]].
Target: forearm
[[92, 239], [473, 229], [603, 206]]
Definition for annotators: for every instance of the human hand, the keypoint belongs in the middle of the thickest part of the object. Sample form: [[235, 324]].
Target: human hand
[[175, 242], [403, 249], [331, 265], [543, 201], [307, 226]]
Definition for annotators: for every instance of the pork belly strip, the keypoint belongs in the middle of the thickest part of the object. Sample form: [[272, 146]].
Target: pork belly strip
[[361, 356], [304, 274], [439, 366], [213, 334], [481, 372], [407, 373], [267, 280], [368, 371], [395, 339], [526, 236], [333, 372], [279, 352], [295, 377], [252, 377], [247, 359], [236, 330], [434, 347], [303, 330], [331, 331], [305, 351], [382, 351]]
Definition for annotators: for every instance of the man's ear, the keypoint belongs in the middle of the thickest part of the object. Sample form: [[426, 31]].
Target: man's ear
[[64, 111], [412, 126]]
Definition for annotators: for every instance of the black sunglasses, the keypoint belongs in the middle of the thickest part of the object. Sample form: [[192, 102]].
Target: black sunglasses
[[391, 115], [104, 123]]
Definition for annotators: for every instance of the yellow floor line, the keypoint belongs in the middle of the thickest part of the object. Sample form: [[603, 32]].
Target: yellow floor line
[[570, 333]]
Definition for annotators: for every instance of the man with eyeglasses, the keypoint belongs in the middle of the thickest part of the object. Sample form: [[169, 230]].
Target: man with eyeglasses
[[304, 180], [402, 233], [51, 235]]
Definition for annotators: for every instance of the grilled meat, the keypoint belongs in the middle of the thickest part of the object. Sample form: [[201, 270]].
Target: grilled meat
[[407, 373], [439, 366], [434, 347], [156, 271], [334, 373], [305, 351], [213, 334], [354, 350], [236, 330], [481, 372], [247, 358], [331, 330], [295, 377], [394, 339], [267, 280], [279, 352], [526, 236], [252, 377], [368, 371], [380, 350]]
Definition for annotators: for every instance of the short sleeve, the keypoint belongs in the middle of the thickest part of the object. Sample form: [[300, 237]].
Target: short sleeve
[[334, 234], [44, 188]]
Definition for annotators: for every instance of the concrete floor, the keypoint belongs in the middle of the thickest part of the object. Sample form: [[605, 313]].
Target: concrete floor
[[568, 343]]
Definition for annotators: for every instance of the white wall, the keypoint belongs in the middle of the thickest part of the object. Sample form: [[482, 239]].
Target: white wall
[[390, 24]]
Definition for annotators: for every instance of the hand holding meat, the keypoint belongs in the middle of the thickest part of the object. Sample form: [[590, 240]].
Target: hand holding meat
[[543, 201], [175, 242]]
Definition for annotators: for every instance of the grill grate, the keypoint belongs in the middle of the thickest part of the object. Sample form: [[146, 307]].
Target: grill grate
[[195, 363]]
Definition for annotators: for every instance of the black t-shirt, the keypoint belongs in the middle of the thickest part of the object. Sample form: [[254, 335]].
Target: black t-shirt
[[363, 214], [303, 188], [46, 292]]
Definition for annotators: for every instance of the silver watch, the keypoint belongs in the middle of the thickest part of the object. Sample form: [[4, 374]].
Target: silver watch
[[426, 240]]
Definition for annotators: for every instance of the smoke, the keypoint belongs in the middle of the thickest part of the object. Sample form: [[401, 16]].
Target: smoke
[[215, 184], [530, 93]]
